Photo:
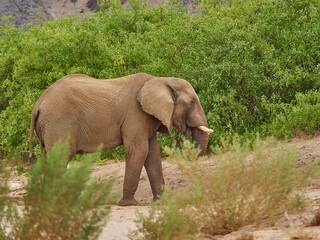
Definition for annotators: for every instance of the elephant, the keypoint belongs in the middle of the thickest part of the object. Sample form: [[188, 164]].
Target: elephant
[[124, 111]]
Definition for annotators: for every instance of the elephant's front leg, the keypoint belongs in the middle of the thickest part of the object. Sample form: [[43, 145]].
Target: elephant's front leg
[[153, 167], [136, 155]]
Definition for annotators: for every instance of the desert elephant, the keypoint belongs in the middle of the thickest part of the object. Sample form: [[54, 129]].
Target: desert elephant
[[127, 110]]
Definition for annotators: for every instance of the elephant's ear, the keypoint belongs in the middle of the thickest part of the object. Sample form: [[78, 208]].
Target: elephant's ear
[[157, 98]]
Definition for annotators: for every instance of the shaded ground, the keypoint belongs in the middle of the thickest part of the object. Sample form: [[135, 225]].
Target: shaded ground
[[290, 225]]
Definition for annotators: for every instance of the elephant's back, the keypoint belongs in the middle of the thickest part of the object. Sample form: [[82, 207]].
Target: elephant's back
[[72, 105], [72, 86], [72, 81]]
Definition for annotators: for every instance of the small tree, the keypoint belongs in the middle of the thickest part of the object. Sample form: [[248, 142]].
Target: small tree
[[62, 203]]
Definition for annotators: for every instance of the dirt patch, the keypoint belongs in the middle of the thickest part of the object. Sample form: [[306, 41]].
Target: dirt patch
[[290, 225]]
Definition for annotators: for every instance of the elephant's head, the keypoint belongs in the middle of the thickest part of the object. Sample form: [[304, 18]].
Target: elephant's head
[[174, 102]]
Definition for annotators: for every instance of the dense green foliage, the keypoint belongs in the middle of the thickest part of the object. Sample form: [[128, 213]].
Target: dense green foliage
[[60, 202], [254, 64], [245, 184]]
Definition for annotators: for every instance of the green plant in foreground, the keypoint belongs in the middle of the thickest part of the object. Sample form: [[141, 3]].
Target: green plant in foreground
[[8, 213], [246, 184], [62, 203]]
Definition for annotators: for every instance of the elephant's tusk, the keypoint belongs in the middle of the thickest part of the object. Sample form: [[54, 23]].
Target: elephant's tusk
[[205, 129]]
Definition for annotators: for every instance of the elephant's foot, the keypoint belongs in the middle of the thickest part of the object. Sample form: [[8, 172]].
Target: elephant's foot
[[128, 202]]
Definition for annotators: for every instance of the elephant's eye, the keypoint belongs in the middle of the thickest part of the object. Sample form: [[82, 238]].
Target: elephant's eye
[[193, 102]]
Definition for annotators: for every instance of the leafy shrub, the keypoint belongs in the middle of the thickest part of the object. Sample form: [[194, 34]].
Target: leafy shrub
[[240, 58], [303, 114], [116, 154], [242, 187], [60, 202]]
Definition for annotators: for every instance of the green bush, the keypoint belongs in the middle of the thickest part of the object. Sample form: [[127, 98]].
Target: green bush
[[302, 114], [245, 184], [60, 202], [240, 58]]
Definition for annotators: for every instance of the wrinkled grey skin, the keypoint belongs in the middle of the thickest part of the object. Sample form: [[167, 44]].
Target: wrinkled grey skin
[[127, 110]]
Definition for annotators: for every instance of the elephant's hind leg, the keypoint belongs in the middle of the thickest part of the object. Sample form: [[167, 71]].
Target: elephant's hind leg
[[136, 154]]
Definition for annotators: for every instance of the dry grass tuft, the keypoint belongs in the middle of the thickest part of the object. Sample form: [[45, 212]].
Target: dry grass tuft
[[246, 184]]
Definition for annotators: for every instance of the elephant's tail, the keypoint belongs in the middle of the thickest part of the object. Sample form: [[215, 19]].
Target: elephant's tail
[[34, 117]]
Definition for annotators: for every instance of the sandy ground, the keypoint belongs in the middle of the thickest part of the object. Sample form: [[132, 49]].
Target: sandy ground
[[289, 226], [121, 220]]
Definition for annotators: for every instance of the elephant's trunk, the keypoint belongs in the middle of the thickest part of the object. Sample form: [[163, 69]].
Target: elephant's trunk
[[201, 139]]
